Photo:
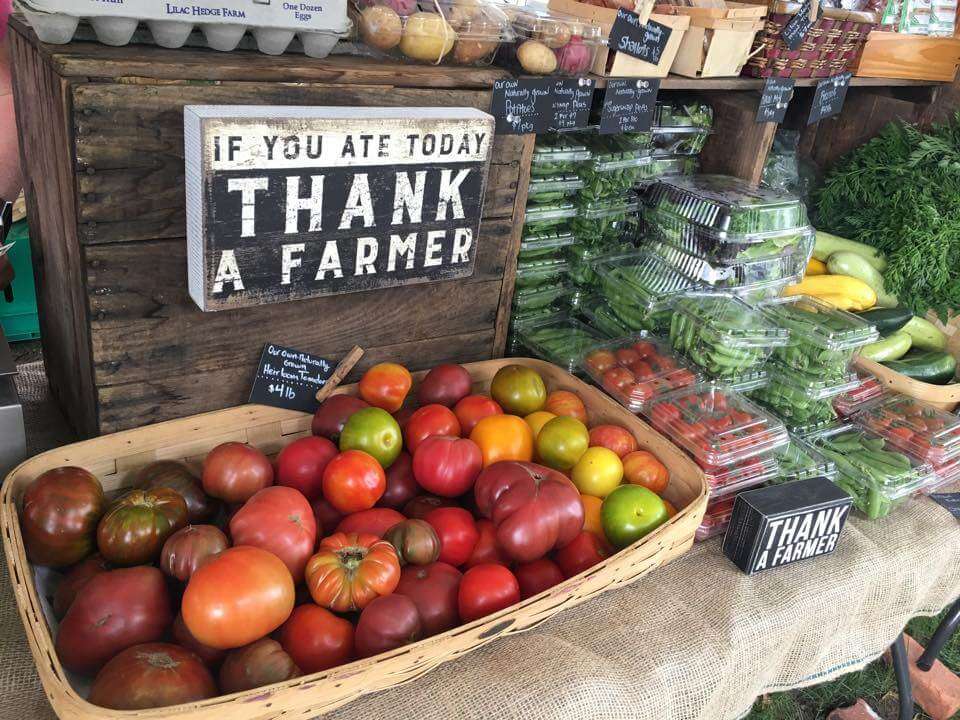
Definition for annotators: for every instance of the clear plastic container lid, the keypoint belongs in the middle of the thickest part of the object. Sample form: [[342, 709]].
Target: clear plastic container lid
[[616, 152], [808, 386], [596, 209], [536, 297], [636, 368], [553, 186], [683, 114], [533, 243], [728, 204], [669, 165], [554, 29], [730, 320], [535, 273], [551, 211], [561, 340], [851, 401], [717, 518], [820, 324], [717, 426], [799, 461], [678, 141], [600, 316], [758, 292], [747, 381], [557, 154], [641, 279], [744, 475], [925, 432]]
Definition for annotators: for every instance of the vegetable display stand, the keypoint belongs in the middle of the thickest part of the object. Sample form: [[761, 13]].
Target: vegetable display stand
[[115, 459], [910, 57], [718, 41], [101, 132]]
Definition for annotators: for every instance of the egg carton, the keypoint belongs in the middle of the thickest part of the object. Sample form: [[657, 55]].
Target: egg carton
[[274, 24]]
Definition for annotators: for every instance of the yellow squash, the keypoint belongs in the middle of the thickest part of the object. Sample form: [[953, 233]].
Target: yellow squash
[[842, 291], [816, 267]]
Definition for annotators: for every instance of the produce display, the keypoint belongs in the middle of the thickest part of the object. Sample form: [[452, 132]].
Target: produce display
[[540, 273], [332, 553], [682, 114], [598, 314], [799, 460], [545, 42], [617, 163], [559, 339], [802, 401], [548, 217], [723, 335], [851, 401], [636, 368], [744, 475], [716, 519], [602, 223], [549, 245], [876, 475], [557, 155], [553, 188]]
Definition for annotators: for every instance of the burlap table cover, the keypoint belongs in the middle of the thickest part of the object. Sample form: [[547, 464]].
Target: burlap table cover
[[695, 640]]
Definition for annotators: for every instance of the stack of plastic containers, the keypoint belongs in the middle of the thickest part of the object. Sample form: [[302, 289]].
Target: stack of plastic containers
[[799, 461], [559, 339], [680, 130], [851, 401], [807, 373]]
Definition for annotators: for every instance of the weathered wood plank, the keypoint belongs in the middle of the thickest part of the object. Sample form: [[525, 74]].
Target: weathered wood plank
[[164, 398], [734, 117]]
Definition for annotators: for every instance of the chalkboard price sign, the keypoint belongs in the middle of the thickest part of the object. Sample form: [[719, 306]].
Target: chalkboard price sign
[[642, 41], [536, 105], [796, 29], [628, 105], [774, 100], [570, 103], [289, 379], [829, 96]]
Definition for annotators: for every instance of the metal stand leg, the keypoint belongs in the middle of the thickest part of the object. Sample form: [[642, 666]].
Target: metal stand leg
[[901, 668], [944, 632]]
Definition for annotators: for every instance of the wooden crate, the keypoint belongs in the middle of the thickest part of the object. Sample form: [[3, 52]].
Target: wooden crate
[[912, 57], [115, 460], [102, 148]]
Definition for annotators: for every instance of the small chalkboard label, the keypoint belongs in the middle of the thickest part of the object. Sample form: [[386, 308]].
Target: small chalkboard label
[[289, 379], [520, 105], [628, 105], [796, 29], [829, 96], [570, 103], [951, 501], [642, 41], [774, 100]]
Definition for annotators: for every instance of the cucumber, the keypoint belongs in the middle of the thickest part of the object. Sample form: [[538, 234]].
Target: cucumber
[[887, 320], [932, 366], [926, 335], [893, 347], [855, 265], [827, 244]]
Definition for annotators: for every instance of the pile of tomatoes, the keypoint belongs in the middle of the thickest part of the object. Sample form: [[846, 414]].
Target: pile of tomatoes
[[391, 522]]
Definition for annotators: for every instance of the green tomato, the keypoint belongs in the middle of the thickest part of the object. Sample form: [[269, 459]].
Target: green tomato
[[519, 390], [630, 512], [562, 442], [374, 431]]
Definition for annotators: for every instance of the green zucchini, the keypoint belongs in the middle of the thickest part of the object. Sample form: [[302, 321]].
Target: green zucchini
[[892, 347], [926, 335], [855, 265], [887, 320], [932, 366], [827, 244]]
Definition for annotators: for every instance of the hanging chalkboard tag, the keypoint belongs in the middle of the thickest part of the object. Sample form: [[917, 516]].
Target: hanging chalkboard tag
[[570, 103], [643, 41], [290, 379], [522, 105], [797, 27], [628, 105], [951, 501], [829, 96], [774, 100]]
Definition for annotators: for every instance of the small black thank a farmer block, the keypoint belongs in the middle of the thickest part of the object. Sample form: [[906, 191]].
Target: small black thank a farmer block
[[782, 524], [298, 202]]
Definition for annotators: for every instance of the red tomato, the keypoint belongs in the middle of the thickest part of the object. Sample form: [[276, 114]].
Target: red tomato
[[300, 465], [152, 675], [626, 356], [260, 663], [445, 385], [537, 576], [433, 589], [375, 521], [401, 485], [457, 532], [474, 408], [387, 623], [349, 571], [189, 548], [212, 657], [584, 552], [423, 505], [353, 481], [326, 515], [115, 610], [643, 468], [486, 550], [78, 576], [386, 386], [236, 472], [601, 360], [616, 379], [333, 414], [237, 597], [613, 437], [430, 421], [447, 466], [279, 520], [485, 589], [317, 639]]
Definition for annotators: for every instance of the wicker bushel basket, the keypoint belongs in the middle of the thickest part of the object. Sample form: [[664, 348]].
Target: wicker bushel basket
[[833, 45], [115, 459]]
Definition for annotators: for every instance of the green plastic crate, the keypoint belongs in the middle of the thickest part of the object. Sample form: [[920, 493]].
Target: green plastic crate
[[19, 318]]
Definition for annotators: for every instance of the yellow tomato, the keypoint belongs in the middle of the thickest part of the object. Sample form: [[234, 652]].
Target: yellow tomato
[[537, 420], [598, 472], [503, 437]]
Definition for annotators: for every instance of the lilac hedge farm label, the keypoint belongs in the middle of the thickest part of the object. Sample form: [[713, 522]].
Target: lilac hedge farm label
[[285, 203]]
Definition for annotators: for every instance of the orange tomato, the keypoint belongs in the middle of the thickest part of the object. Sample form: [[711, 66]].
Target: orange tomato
[[671, 510], [386, 386], [591, 514], [503, 437], [564, 402], [643, 468]]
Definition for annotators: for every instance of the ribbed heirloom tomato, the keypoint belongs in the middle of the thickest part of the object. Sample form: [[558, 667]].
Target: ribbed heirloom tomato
[[386, 386], [353, 481], [349, 571], [503, 437], [446, 465]]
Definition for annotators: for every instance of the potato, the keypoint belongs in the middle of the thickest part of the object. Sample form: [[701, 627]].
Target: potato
[[380, 27], [553, 34], [536, 58], [427, 37], [477, 40]]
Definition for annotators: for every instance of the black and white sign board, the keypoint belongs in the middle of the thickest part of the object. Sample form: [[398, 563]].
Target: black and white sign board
[[285, 203], [799, 25], [289, 378], [644, 41], [829, 96], [774, 100], [537, 105], [628, 105]]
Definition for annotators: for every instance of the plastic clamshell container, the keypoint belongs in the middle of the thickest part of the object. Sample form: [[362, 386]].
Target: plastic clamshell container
[[222, 22], [545, 245], [672, 114], [580, 258], [822, 337], [850, 402], [717, 518], [602, 222], [549, 217], [636, 368], [667, 166], [717, 426], [547, 42], [758, 292], [678, 141], [802, 401], [747, 381], [557, 154], [540, 296], [728, 204], [722, 334], [617, 163], [561, 340], [538, 273], [598, 315], [553, 188], [874, 490], [800, 460], [925, 432], [744, 475]]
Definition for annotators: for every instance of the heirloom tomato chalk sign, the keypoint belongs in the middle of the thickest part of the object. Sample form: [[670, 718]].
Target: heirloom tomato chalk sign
[[285, 203]]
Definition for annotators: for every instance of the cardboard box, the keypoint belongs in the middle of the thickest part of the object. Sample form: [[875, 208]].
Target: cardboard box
[[715, 46]]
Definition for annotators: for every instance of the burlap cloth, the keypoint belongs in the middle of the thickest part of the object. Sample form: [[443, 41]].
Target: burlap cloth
[[694, 640]]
